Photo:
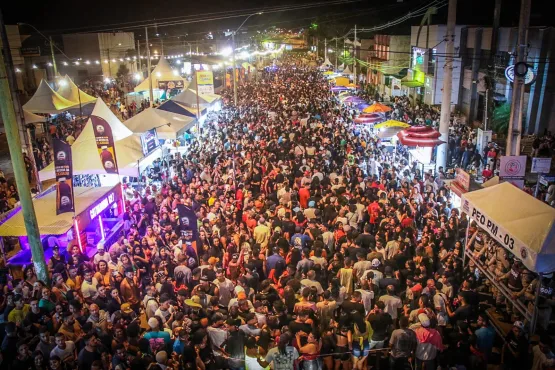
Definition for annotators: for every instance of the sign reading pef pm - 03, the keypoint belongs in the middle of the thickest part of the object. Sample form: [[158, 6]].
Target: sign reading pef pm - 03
[[497, 232]]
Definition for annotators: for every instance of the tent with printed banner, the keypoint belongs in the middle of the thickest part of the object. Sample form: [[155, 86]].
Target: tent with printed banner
[[162, 72], [69, 90], [86, 160], [47, 101], [168, 125], [188, 96], [521, 223]]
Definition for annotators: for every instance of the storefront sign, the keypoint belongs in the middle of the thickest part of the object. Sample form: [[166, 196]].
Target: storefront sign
[[395, 87], [101, 207], [205, 82], [63, 169], [541, 165], [529, 77], [512, 166], [170, 85], [30, 51], [149, 141], [463, 179], [105, 144], [500, 234]]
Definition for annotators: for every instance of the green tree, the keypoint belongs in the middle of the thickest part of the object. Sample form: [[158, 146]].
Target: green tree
[[346, 58], [122, 72], [501, 118]]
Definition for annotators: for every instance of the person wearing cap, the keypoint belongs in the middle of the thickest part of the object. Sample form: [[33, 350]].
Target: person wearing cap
[[378, 275], [158, 338], [515, 348], [429, 344]]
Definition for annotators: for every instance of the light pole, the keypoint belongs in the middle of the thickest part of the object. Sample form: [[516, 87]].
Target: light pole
[[233, 56]]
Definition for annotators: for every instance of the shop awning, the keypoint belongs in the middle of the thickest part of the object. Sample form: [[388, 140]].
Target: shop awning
[[412, 83], [45, 208], [519, 222]]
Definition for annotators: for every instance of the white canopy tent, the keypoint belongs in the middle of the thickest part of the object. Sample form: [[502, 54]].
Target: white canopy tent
[[522, 224], [47, 101], [347, 71], [33, 118], [69, 90], [326, 64], [162, 72], [168, 125], [84, 152]]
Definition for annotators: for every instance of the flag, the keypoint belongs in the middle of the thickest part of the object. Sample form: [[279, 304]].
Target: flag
[[63, 169], [188, 225]]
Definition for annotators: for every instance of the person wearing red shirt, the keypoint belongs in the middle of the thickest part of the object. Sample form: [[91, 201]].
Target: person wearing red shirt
[[487, 173], [304, 194], [374, 212]]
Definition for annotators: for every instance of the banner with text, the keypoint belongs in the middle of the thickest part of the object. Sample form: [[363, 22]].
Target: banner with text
[[149, 141], [105, 144], [205, 82], [509, 242], [63, 169], [188, 225]]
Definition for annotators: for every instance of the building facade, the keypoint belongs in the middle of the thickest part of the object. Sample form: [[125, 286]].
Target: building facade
[[388, 63], [539, 98]]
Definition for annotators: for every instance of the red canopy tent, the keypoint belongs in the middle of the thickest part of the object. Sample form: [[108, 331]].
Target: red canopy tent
[[421, 136]]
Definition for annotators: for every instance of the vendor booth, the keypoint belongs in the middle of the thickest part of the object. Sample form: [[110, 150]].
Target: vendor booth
[[421, 140], [47, 101], [377, 108], [522, 225], [165, 80], [168, 125], [95, 218], [86, 160], [388, 130]]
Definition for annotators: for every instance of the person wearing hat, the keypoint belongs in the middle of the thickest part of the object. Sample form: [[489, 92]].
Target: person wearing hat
[[378, 275], [158, 339], [429, 343], [101, 254], [515, 349]]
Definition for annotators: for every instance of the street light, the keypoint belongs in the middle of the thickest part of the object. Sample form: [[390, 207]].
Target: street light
[[233, 56]]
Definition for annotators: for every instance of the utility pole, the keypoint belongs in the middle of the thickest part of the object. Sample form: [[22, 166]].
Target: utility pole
[[490, 88], [336, 54], [53, 59], [24, 133], [233, 68], [109, 63], [139, 67], [515, 122], [355, 56], [18, 164], [441, 157], [148, 67], [325, 50]]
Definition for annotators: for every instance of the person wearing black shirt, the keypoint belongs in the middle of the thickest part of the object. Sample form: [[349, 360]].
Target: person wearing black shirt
[[462, 313], [235, 344], [300, 323], [380, 322], [515, 350], [351, 307]]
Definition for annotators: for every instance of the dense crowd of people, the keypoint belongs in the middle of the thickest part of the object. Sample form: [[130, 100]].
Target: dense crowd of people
[[315, 248]]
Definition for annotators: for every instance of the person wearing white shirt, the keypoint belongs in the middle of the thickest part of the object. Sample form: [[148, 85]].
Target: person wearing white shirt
[[392, 303], [101, 255]]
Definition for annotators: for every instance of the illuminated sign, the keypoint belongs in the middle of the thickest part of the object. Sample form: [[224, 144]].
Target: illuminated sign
[[100, 207], [529, 78]]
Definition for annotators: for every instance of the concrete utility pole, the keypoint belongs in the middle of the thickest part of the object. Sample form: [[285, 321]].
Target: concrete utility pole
[[18, 164], [336, 54], [355, 56], [515, 122], [138, 66], [490, 88], [148, 68], [233, 69], [54, 66], [325, 50], [441, 157]]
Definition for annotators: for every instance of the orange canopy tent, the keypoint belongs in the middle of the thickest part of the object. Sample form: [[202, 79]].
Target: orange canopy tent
[[377, 108]]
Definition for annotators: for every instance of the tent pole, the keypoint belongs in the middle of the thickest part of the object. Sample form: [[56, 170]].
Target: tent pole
[[148, 68], [534, 323], [465, 243], [198, 108]]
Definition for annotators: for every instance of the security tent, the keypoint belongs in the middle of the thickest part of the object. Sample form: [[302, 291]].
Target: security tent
[[519, 222]]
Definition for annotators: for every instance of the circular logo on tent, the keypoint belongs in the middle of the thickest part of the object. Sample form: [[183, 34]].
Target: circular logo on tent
[[61, 155], [171, 85], [523, 253], [100, 129], [64, 200], [513, 167]]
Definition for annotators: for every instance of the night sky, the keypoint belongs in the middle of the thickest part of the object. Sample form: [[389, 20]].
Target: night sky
[[65, 16]]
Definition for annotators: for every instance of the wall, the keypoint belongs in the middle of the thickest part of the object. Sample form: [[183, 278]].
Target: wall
[[113, 46]]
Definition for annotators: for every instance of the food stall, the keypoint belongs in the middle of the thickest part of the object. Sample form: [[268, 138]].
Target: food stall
[[96, 217], [422, 140]]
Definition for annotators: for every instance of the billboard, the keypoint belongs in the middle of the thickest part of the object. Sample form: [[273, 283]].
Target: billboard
[[205, 82]]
